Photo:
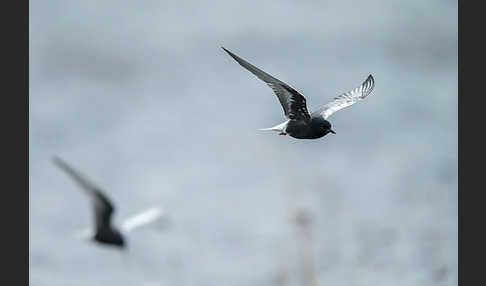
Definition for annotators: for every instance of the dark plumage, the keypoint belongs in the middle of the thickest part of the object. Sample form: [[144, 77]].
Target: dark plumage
[[300, 123], [103, 208]]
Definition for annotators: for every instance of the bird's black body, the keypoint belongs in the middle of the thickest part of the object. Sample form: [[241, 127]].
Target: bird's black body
[[102, 206], [105, 232], [313, 129], [108, 235]]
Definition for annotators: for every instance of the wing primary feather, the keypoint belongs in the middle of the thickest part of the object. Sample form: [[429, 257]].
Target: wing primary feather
[[103, 207], [346, 99], [293, 102], [75, 175]]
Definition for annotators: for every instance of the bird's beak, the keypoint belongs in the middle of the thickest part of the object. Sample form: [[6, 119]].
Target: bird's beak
[[332, 131]]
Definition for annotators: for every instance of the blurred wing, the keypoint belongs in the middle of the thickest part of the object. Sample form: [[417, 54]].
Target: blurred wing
[[293, 103], [347, 99], [147, 217], [102, 206]]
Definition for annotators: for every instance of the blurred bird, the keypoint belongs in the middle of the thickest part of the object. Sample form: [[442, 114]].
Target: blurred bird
[[300, 123], [105, 232]]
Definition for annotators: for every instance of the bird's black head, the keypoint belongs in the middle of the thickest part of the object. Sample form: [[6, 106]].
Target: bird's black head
[[119, 241], [321, 126]]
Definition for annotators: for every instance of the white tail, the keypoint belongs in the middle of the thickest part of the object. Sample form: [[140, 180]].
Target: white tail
[[279, 128], [268, 129]]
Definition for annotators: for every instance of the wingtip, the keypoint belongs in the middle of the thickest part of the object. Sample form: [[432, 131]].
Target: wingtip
[[227, 51], [155, 211], [57, 160]]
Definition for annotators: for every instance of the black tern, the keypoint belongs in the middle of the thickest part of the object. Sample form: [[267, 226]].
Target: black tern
[[105, 233], [300, 123]]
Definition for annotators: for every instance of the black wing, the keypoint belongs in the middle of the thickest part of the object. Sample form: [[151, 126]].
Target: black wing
[[102, 206], [293, 103]]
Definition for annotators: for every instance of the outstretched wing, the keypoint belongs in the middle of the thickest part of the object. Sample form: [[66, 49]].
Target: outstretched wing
[[150, 216], [346, 99], [293, 103], [102, 206]]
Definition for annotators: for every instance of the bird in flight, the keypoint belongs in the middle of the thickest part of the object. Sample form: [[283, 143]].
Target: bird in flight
[[300, 123], [104, 231]]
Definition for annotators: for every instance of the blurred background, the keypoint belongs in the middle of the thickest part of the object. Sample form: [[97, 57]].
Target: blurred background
[[139, 96]]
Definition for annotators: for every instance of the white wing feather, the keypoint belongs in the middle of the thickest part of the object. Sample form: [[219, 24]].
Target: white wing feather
[[347, 99], [150, 216]]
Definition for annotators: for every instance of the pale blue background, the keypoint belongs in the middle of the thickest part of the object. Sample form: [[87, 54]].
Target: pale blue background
[[140, 97]]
